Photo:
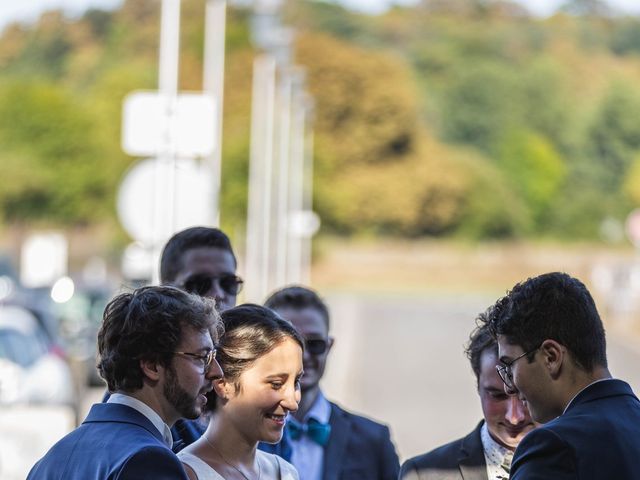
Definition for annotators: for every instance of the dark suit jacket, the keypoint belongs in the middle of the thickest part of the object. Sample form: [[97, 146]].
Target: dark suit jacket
[[358, 449], [115, 442], [597, 438], [462, 459]]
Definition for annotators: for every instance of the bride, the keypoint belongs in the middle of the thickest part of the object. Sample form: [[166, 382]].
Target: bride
[[261, 357]]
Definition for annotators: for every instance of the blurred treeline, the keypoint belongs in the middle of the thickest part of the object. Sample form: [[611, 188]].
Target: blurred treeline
[[461, 118]]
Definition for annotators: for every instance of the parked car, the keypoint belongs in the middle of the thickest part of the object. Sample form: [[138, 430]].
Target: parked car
[[33, 368]]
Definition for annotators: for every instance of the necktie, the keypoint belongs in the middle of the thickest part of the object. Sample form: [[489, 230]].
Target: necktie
[[316, 431], [505, 466]]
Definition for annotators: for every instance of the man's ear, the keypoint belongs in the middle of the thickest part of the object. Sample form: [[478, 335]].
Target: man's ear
[[330, 341], [554, 355], [151, 369]]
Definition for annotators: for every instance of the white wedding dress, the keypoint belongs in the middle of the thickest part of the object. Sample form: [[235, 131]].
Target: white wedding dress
[[203, 471]]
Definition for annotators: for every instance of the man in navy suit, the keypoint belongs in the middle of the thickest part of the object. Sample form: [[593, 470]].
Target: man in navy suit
[[323, 441], [553, 357], [157, 355], [199, 260], [485, 453]]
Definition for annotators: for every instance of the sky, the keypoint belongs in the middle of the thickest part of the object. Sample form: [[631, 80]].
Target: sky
[[29, 10]]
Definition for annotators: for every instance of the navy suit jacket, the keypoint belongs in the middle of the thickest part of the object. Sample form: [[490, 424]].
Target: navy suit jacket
[[462, 459], [358, 449], [597, 438], [115, 442]]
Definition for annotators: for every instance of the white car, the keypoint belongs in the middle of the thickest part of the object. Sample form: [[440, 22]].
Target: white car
[[33, 369]]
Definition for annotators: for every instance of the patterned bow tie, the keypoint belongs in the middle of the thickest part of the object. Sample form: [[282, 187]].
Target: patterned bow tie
[[316, 431]]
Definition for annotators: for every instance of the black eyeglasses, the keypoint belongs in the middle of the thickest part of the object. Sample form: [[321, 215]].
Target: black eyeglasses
[[201, 284], [316, 346], [206, 359], [505, 372]]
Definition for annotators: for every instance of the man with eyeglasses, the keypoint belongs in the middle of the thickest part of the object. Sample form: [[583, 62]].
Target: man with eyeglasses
[[485, 453], [552, 353], [199, 260], [323, 441], [156, 351]]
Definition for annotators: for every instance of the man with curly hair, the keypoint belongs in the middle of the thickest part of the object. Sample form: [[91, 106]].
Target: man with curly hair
[[157, 355]]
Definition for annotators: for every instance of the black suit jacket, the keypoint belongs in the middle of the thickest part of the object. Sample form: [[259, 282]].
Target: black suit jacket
[[462, 459], [358, 449], [597, 438]]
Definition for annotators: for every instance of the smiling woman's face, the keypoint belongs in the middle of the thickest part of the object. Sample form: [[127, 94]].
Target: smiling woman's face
[[260, 399]]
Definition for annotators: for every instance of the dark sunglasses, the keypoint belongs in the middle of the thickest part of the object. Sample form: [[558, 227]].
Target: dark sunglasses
[[201, 284], [316, 346]]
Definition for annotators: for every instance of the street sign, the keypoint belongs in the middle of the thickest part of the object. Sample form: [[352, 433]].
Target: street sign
[[145, 204], [153, 124]]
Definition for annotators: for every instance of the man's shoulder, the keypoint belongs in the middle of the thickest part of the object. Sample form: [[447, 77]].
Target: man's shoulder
[[359, 421]]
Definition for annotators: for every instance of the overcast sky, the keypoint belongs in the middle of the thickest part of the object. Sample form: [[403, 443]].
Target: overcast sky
[[28, 10]]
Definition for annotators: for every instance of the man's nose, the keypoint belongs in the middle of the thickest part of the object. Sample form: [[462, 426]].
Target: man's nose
[[216, 290], [214, 370], [515, 413]]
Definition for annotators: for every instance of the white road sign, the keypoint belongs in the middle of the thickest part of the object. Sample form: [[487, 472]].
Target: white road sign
[[154, 124]]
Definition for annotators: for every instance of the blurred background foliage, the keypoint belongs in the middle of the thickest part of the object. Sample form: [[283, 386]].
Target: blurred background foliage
[[453, 118]]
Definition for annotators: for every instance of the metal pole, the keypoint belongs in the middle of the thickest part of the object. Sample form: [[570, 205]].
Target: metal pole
[[213, 83], [281, 210], [164, 218], [296, 181], [307, 200], [260, 177]]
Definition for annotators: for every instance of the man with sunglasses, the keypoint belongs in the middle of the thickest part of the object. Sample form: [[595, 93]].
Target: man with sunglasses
[[486, 452], [552, 351], [157, 355], [323, 441], [199, 260]]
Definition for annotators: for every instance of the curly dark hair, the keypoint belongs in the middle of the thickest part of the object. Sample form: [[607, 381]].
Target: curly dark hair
[[250, 331], [297, 297], [147, 324], [194, 237], [554, 306]]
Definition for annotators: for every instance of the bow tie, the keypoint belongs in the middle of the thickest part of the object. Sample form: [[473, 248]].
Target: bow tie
[[316, 431]]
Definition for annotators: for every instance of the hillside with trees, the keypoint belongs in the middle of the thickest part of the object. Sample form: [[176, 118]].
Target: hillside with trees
[[457, 118]]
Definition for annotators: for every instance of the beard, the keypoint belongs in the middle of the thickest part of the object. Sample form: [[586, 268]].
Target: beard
[[184, 403]]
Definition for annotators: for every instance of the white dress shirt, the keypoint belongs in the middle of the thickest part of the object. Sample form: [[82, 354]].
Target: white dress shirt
[[147, 411], [496, 456]]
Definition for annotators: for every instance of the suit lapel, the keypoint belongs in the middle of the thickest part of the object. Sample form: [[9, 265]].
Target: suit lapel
[[334, 453], [473, 465]]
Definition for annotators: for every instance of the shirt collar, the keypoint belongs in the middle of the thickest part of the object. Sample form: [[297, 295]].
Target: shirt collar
[[147, 411], [494, 453], [576, 395]]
